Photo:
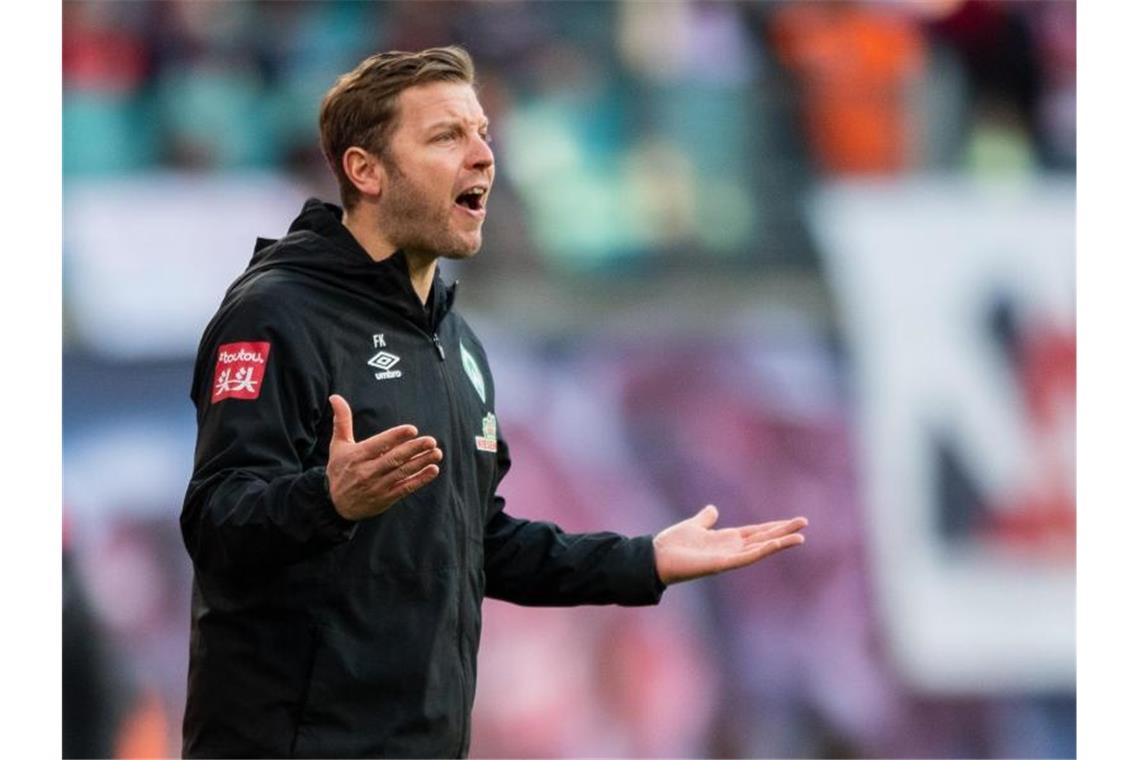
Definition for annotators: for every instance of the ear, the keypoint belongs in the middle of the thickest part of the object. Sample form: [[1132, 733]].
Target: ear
[[365, 171]]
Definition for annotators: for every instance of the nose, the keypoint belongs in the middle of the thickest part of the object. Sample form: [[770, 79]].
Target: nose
[[480, 156]]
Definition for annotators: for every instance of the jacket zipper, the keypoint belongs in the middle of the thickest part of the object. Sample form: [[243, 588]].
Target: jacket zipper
[[456, 426]]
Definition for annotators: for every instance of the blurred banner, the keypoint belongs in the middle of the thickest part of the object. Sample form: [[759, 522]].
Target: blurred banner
[[147, 258], [959, 306]]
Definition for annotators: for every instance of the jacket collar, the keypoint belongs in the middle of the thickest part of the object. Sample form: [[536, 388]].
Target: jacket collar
[[342, 259]]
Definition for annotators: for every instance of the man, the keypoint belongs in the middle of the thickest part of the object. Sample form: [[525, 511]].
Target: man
[[342, 515]]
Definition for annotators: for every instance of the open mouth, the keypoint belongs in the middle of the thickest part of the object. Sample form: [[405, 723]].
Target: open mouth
[[473, 199]]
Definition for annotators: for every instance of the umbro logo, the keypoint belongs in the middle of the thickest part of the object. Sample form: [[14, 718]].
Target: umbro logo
[[384, 361]]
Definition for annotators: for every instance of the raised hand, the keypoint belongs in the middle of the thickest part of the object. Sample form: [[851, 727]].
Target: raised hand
[[368, 477], [691, 549]]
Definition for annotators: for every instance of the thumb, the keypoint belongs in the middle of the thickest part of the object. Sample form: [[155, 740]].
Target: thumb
[[706, 518], [342, 419]]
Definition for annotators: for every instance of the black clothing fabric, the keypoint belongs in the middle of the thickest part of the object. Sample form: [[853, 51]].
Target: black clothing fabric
[[312, 635], [93, 697]]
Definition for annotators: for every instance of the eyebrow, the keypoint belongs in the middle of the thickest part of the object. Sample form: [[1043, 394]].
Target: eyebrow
[[452, 122]]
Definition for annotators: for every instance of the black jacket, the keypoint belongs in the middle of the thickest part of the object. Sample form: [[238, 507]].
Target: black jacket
[[315, 636]]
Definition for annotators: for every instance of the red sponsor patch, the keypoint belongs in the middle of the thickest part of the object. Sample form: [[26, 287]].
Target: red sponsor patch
[[239, 371]]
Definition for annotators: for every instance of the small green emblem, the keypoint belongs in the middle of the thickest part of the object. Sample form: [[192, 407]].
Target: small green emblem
[[489, 441], [471, 367]]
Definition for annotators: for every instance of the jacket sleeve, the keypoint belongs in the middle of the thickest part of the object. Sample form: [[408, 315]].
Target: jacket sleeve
[[252, 502], [536, 563]]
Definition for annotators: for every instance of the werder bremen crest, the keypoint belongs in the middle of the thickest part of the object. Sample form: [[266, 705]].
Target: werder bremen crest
[[489, 441], [471, 367]]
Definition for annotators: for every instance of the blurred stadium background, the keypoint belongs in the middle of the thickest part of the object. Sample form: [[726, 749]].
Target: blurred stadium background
[[788, 258]]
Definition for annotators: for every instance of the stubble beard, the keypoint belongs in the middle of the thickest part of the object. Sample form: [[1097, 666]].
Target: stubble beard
[[418, 226]]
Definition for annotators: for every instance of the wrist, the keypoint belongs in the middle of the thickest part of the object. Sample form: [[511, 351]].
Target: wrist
[[657, 569], [340, 513]]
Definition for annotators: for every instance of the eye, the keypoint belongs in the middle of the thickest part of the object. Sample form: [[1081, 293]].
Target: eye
[[486, 137], [444, 136]]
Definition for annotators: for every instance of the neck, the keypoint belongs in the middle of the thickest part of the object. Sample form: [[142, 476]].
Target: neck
[[421, 270], [421, 267]]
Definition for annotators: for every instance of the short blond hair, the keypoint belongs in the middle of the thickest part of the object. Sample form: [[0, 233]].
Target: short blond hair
[[360, 109]]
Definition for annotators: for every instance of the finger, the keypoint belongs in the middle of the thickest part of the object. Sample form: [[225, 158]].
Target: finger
[[342, 419], [706, 518], [433, 455], [408, 486], [754, 533], [759, 540], [747, 531], [760, 551], [406, 460], [388, 468], [385, 441]]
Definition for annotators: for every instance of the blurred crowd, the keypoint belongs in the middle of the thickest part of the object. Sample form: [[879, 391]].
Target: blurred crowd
[[673, 131]]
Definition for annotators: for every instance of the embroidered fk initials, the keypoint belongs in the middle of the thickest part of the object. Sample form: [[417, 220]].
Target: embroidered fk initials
[[378, 340]]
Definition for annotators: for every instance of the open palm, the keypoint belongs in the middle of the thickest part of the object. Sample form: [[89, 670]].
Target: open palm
[[692, 549]]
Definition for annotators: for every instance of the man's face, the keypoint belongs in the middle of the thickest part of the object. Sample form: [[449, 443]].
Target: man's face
[[440, 170]]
